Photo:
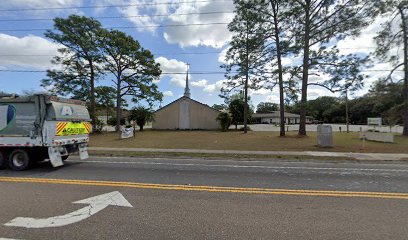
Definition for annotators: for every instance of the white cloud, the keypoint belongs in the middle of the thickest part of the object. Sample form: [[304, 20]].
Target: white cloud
[[222, 56], [272, 98], [168, 93], [201, 83], [42, 50], [40, 3], [23, 4], [175, 12], [216, 87], [261, 91], [211, 35], [209, 87], [363, 43], [147, 12], [174, 66], [286, 61], [314, 92]]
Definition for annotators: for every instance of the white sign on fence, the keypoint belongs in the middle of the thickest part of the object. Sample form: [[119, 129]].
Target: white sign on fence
[[374, 121]]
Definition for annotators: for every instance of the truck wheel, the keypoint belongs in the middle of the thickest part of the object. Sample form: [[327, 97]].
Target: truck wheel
[[3, 160], [64, 157], [19, 160]]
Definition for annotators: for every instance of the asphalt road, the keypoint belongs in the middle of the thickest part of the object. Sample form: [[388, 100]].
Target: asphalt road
[[206, 199]]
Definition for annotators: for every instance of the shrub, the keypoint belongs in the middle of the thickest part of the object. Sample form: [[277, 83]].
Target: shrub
[[141, 116], [225, 121], [98, 127], [112, 121]]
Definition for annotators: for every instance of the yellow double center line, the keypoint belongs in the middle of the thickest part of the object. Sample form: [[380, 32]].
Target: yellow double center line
[[269, 191]]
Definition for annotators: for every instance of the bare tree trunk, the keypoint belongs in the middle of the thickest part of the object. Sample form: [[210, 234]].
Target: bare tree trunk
[[93, 102], [107, 115], [347, 113], [246, 80], [280, 70], [405, 36], [305, 77], [118, 106], [246, 103]]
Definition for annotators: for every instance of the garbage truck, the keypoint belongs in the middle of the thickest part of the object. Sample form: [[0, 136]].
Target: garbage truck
[[40, 127]]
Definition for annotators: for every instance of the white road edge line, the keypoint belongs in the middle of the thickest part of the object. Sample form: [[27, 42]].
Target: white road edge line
[[240, 161], [242, 166]]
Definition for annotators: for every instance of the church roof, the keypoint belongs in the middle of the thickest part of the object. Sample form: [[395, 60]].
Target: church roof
[[184, 97]]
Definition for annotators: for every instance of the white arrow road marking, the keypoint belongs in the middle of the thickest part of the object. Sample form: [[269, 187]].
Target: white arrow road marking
[[96, 204]]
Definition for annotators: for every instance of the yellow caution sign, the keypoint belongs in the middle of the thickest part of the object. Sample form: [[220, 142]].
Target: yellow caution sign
[[70, 128]]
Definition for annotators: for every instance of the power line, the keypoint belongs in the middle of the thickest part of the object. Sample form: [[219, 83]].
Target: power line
[[109, 6], [159, 53], [169, 53], [122, 27], [164, 73], [176, 73], [119, 17]]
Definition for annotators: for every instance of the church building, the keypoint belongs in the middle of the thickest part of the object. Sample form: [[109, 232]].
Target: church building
[[186, 114]]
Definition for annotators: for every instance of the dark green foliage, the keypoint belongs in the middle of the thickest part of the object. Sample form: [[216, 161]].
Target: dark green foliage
[[112, 121], [141, 115], [236, 108], [394, 35], [320, 106], [384, 100], [225, 121], [92, 52], [79, 58], [105, 98], [98, 126], [133, 68], [278, 23], [220, 107], [245, 68], [267, 107], [316, 23]]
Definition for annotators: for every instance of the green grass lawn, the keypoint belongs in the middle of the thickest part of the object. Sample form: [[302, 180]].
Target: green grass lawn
[[256, 141]]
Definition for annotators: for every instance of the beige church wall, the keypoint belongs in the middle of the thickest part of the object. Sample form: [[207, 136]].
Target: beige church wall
[[202, 117], [167, 118]]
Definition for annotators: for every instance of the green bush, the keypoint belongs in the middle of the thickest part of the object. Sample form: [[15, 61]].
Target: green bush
[[112, 121], [225, 121], [141, 116], [98, 127]]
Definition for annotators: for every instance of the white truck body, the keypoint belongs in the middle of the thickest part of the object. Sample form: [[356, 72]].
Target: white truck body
[[45, 127]]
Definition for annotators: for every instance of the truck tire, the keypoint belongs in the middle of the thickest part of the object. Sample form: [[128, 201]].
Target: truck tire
[[19, 160], [64, 157], [3, 160]]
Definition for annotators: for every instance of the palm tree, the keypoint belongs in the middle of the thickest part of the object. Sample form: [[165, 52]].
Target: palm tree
[[141, 116]]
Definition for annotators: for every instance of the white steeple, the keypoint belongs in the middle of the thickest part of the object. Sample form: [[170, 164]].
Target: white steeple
[[187, 89]]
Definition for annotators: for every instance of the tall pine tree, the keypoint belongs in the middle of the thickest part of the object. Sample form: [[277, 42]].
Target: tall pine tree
[[394, 35], [319, 23], [246, 56], [78, 60]]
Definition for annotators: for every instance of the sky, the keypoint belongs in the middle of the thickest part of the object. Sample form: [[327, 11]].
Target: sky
[[177, 32]]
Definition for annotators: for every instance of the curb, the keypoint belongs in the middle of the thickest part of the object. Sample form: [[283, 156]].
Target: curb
[[357, 156]]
